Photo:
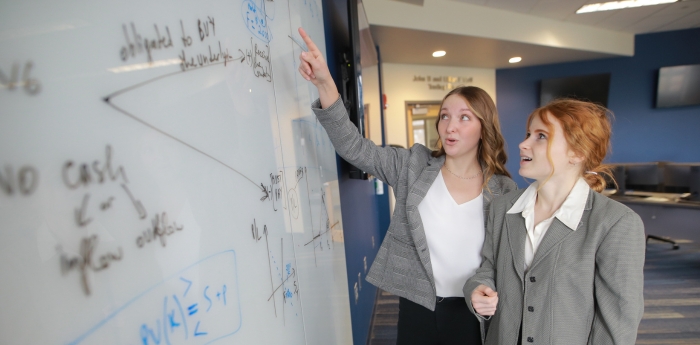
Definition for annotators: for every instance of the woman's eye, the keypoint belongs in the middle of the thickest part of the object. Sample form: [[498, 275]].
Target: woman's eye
[[542, 136], [465, 117], [527, 135], [443, 116]]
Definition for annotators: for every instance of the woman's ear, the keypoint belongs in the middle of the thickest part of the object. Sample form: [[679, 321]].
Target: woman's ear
[[574, 158]]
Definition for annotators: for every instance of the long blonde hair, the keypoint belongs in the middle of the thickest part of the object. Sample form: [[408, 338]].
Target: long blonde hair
[[491, 153]]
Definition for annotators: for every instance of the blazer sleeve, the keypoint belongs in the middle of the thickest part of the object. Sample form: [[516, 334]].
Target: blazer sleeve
[[619, 283], [383, 162], [486, 273]]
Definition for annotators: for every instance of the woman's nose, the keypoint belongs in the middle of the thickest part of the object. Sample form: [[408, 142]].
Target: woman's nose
[[450, 126], [523, 144]]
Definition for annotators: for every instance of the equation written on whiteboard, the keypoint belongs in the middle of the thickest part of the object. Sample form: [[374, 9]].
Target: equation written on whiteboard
[[257, 19], [197, 305]]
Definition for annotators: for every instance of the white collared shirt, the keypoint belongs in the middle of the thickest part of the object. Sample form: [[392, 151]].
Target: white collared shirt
[[569, 213]]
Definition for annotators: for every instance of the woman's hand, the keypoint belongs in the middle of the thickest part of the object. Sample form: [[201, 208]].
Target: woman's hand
[[313, 68], [484, 300]]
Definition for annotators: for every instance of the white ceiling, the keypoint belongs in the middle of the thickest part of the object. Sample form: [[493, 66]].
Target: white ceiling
[[639, 20], [414, 46], [407, 46]]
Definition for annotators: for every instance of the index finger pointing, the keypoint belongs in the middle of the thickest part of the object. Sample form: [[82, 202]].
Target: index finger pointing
[[309, 43]]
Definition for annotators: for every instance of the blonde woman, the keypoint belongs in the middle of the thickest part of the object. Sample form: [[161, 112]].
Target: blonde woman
[[437, 230]]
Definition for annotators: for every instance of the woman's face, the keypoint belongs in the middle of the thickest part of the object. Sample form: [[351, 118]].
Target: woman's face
[[459, 128], [533, 150]]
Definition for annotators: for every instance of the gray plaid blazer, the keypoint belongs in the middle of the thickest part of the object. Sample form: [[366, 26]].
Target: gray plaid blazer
[[583, 287], [402, 266]]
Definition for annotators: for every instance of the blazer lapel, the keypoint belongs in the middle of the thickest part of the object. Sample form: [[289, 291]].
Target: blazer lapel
[[416, 193], [424, 180], [555, 234], [517, 231], [489, 192]]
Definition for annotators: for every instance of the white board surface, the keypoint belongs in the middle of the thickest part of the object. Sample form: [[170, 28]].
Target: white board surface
[[162, 177]]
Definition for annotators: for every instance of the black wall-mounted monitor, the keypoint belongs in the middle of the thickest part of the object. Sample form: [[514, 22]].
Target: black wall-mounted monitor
[[343, 53], [695, 183], [676, 178], [643, 177], [592, 88], [678, 86]]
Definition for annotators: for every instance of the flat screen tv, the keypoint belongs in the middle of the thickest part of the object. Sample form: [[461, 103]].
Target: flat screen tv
[[592, 88], [678, 86]]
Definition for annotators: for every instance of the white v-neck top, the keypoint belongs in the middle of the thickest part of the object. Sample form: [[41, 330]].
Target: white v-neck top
[[455, 235]]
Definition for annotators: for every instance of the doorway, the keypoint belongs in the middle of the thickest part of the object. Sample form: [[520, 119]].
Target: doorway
[[421, 118]]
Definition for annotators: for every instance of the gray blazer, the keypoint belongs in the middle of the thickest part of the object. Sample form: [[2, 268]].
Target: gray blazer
[[402, 266], [583, 286]]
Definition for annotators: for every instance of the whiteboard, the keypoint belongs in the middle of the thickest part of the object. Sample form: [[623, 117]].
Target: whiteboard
[[162, 177]]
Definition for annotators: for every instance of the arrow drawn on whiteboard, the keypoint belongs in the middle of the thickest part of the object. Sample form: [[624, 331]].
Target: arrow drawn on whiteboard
[[267, 194], [137, 203], [109, 98], [80, 212]]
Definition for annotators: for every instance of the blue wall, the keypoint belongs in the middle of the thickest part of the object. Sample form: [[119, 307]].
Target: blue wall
[[360, 208], [641, 133]]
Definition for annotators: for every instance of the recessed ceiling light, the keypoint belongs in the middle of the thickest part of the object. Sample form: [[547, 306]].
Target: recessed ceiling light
[[515, 59], [617, 5], [439, 53]]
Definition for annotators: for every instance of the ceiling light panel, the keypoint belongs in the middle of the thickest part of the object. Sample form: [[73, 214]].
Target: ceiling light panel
[[618, 5]]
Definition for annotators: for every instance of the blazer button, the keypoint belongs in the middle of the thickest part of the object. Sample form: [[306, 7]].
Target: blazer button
[[530, 309], [532, 279], [530, 340]]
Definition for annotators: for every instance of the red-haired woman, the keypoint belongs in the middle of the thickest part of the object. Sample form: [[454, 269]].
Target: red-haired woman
[[434, 240], [562, 264]]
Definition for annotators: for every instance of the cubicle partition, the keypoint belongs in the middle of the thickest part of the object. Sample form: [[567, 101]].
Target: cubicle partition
[[666, 195]]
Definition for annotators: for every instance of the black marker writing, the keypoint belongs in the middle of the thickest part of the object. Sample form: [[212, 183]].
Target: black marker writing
[[203, 27], [160, 228], [186, 40], [84, 261], [25, 182], [137, 44], [201, 60], [80, 212], [85, 173], [30, 85], [107, 204], [256, 233], [267, 194], [137, 203], [273, 192], [261, 68]]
